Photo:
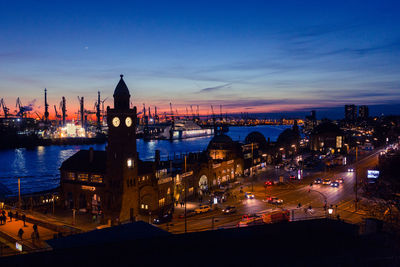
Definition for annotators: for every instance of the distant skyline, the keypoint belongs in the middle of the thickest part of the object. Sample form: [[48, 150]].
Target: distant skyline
[[248, 56]]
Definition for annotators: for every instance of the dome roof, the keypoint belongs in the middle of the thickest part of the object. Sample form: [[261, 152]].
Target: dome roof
[[121, 89], [256, 137], [221, 141]]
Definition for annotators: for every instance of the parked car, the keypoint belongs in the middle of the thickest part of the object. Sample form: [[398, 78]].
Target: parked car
[[318, 181], [202, 209], [326, 181], [274, 200], [335, 184], [189, 213], [163, 218], [292, 177], [249, 195], [229, 210]]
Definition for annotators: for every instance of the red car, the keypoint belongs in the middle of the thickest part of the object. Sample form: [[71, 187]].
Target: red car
[[267, 183]]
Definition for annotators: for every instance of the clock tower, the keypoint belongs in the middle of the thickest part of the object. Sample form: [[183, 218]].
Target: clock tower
[[121, 198]]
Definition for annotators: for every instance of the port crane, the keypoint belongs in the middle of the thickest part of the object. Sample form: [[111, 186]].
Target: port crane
[[21, 109], [63, 110], [5, 109], [46, 107], [172, 113]]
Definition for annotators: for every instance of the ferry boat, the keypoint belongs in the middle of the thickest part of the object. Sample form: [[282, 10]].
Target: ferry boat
[[185, 129]]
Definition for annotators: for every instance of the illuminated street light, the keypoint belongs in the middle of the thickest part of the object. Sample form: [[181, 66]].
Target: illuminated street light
[[330, 211]]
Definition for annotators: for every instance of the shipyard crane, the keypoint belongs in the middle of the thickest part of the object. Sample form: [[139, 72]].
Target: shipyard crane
[[172, 113], [5, 109], [58, 116], [63, 108], [81, 110], [46, 107], [191, 109], [38, 115], [22, 109]]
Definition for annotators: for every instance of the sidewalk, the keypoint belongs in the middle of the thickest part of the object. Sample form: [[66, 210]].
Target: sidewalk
[[10, 230]]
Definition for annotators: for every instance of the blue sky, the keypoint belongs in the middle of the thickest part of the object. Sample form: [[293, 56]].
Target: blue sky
[[249, 56]]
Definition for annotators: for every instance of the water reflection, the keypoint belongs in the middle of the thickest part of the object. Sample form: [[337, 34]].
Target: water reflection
[[39, 168]]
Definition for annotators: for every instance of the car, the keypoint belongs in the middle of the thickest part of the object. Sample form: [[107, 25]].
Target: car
[[292, 177], [250, 219], [340, 180], [318, 181], [202, 209], [335, 184], [326, 181], [268, 182], [274, 200], [163, 218], [189, 213], [229, 210], [350, 170], [249, 195]]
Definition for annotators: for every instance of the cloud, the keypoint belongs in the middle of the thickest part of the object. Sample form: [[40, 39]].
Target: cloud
[[215, 88]]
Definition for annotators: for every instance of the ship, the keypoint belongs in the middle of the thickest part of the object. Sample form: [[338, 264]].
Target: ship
[[183, 129]]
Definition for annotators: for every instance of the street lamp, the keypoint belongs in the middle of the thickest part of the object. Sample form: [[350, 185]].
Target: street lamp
[[330, 211]]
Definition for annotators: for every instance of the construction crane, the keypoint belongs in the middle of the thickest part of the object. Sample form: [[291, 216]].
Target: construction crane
[[63, 108], [21, 109], [46, 107], [212, 112], [5, 109], [81, 111], [58, 116], [172, 113]]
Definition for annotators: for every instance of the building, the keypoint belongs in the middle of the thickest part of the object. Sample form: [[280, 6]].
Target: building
[[115, 182], [363, 112], [350, 112], [328, 137]]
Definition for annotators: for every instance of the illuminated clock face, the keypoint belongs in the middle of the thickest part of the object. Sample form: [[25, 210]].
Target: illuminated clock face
[[116, 122], [128, 121]]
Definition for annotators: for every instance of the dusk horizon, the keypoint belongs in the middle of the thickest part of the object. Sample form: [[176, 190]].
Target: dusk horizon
[[256, 58]]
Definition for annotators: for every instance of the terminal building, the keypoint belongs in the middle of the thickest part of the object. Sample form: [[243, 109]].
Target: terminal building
[[115, 182]]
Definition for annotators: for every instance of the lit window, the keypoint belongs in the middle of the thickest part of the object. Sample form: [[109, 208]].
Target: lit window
[[96, 178], [129, 163], [161, 202], [83, 177], [71, 176]]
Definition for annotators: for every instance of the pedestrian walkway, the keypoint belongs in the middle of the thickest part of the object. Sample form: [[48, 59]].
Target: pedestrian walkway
[[29, 240]]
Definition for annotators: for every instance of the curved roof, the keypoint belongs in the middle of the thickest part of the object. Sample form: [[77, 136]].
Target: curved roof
[[121, 89], [256, 137], [221, 141]]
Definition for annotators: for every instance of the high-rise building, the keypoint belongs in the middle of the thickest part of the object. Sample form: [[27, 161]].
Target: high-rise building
[[363, 112], [350, 112]]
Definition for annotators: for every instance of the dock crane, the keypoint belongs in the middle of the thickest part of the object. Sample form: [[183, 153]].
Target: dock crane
[[191, 109], [63, 108], [22, 110], [58, 116], [5, 109], [81, 111], [172, 113], [46, 107]]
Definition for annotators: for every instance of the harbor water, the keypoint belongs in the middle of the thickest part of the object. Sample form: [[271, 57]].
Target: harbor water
[[38, 168]]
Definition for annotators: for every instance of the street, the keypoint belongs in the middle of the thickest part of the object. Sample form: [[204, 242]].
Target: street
[[341, 199]]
